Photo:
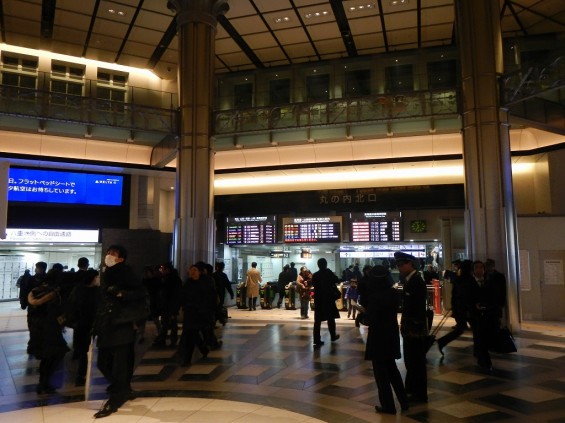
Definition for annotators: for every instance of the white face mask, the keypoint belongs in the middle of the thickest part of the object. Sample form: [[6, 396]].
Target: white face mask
[[110, 260]]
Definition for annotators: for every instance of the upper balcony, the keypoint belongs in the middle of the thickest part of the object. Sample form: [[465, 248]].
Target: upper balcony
[[138, 115]]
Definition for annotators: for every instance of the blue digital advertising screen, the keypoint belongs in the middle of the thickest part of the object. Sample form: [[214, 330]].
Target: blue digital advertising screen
[[49, 186]]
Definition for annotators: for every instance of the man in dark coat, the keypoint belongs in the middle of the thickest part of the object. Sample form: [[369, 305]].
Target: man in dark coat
[[122, 298], [324, 281], [414, 327], [380, 301]]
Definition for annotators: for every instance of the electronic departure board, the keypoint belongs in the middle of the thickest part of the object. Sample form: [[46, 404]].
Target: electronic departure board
[[312, 229], [251, 230], [376, 227]]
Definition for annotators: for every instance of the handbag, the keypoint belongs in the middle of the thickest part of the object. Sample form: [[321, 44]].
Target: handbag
[[503, 342], [336, 292]]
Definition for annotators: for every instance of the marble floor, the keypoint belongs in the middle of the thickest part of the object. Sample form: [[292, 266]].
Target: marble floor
[[268, 371]]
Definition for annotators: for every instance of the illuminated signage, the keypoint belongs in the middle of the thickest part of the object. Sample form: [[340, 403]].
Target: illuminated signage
[[251, 230], [312, 229], [376, 227], [49, 186], [51, 235]]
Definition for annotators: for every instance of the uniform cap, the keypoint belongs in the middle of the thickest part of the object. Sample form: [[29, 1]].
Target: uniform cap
[[399, 256]]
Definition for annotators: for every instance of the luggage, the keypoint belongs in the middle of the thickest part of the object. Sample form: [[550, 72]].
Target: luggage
[[431, 338], [503, 343]]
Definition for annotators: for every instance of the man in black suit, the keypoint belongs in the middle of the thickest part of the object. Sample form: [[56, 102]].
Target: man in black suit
[[413, 327]]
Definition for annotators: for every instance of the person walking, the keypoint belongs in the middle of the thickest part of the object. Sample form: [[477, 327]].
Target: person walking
[[252, 284], [123, 304], [324, 282], [380, 301], [413, 327], [460, 307], [199, 301]]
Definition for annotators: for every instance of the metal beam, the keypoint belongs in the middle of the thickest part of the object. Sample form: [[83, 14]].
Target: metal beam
[[230, 29], [343, 24]]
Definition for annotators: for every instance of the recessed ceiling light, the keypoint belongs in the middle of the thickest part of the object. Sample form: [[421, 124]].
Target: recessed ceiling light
[[283, 19], [316, 14], [116, 12], [361, 7], [398, 2]]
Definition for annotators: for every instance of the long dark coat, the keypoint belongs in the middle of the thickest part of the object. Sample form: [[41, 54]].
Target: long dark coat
[[199, 301], [324, 300], [381, 301], [45, 333], [119, 278]]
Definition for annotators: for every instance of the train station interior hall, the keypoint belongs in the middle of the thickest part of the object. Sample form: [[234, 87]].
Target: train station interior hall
[[267, 370], [435, 127]]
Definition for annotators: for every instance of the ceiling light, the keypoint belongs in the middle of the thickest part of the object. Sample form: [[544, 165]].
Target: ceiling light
[[398, 2], [282, 20], [361, 7], [316, 14]]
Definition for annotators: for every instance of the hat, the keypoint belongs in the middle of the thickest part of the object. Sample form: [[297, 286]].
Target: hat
[[401, 257]]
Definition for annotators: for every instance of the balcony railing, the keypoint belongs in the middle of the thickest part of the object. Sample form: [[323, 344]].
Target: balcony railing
[[533, 81], [44, 105], [338, 111]]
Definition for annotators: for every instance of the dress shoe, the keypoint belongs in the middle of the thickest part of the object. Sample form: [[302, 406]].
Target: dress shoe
[[105, 411], [318, 343], [335, 338], [383, 410]]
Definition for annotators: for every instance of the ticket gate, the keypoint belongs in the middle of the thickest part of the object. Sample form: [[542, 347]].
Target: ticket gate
[[290, 297]]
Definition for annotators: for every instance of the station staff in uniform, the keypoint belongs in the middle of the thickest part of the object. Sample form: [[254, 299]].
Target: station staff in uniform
[[413, 327]]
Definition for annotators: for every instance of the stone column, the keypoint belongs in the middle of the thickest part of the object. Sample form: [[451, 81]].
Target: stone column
[[194, 224], [490, 217]]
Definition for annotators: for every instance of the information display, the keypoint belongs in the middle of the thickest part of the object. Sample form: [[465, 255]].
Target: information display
[[49, 186], [251, 230], [312, 229], [376, 227]]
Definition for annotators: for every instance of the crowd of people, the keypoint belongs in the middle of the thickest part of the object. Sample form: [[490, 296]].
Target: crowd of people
[[112, 309]]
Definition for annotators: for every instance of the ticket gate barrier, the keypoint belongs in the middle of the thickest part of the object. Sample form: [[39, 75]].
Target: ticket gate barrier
[[241, 296], [266, 295], [290, 297]]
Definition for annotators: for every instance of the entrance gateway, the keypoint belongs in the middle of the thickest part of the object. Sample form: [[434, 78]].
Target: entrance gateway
[[23, 247]]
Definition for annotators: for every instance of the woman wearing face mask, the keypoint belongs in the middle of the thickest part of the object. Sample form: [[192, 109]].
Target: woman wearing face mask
[[122, 301]]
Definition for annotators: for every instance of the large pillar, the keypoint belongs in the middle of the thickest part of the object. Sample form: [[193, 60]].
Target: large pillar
[[194, 224], [490, 217]]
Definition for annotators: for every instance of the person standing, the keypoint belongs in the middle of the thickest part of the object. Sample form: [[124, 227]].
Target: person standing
[[252, 284], [123, 299], [489, 301], [413, 327], [304, 286], [282, 282], [380, 301], [46, 343], [222, 282], [79, 314], [324, 282], [27, 285]]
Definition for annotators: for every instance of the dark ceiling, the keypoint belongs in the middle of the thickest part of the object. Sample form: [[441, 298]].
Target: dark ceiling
[[254, 33]]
